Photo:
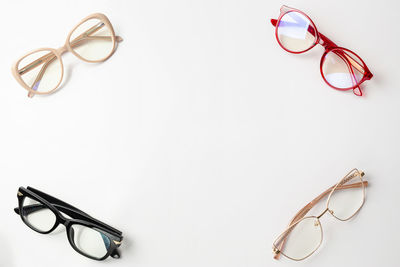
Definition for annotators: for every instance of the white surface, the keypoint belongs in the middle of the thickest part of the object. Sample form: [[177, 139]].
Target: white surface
[[200, 138]]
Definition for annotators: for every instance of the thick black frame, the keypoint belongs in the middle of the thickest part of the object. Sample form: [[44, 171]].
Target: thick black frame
[[78, 217]]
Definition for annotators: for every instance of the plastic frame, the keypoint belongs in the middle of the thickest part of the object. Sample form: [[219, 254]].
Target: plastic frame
[[55, 54], [329, 46], [300, 215], [78, 217]]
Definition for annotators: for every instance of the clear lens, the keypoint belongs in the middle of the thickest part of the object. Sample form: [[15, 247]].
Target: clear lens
[[41, 71], [92, 40], [296, 33], [348, 197], [342, 69], [301, 239], [90, 241], [38, 215]]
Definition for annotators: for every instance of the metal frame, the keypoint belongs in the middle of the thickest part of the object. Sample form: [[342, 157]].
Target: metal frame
[[341, 185]]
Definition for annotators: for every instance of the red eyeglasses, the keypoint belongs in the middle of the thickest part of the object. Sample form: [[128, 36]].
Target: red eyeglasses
[[341, 68]]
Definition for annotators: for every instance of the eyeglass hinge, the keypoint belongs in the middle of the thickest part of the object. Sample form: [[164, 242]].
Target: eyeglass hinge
[[20, 194], [275, 250], [117, 242]]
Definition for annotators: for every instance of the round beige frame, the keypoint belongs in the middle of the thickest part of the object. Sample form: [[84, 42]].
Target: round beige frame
[[67, 47]]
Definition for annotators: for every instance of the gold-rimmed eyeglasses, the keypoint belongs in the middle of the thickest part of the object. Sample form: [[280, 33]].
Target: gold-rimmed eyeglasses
[[41, 71], [304, 234]]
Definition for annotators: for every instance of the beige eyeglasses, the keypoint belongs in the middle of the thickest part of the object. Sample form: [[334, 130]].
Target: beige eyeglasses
[[304, 234], [41, 71]]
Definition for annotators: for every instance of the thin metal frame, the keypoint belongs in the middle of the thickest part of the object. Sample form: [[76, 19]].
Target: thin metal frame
[[300, 215]]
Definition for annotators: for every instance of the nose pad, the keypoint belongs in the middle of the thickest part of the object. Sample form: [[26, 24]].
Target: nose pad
[[63, 221]]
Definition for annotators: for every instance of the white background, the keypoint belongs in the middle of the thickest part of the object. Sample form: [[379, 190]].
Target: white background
[[200, 137]]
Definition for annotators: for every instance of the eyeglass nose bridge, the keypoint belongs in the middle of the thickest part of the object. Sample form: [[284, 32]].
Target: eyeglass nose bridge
[[63, 220], [322, 214], [62, 50]]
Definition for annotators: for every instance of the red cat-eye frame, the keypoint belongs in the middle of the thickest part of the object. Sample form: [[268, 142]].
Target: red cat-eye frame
[[329, 46]]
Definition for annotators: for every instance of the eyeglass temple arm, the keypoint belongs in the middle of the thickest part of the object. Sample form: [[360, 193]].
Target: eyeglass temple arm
[[87, 35], [350, 62], [71, 210], [39, 77], [29, 209], [45, 59], [301, 213]]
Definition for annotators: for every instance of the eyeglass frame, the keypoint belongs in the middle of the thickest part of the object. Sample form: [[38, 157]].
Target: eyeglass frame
[[60, 51], [300, 215], [77, 217], [329, 46]]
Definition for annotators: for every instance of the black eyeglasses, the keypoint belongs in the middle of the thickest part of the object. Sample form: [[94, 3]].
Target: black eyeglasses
[[88, 236]]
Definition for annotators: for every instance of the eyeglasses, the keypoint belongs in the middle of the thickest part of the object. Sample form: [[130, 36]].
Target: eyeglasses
[[304, 234], [341, 68], [41, 71], [88, 236]]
